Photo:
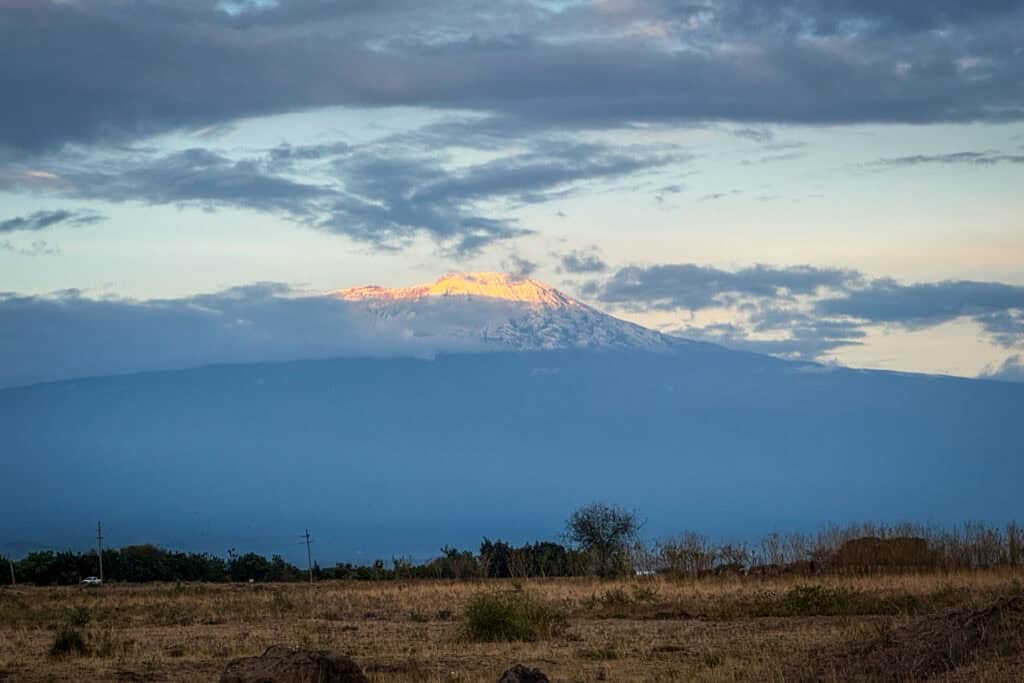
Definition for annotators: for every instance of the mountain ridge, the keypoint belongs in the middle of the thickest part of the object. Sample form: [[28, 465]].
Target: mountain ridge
[[513, 313], [395, 455]]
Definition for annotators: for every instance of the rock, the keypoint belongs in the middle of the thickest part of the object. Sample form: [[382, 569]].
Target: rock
[[524, 674], [280, 664]]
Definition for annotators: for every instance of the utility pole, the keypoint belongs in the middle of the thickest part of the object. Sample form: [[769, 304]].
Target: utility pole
[[11, 563], [99, 547], [309, 558]]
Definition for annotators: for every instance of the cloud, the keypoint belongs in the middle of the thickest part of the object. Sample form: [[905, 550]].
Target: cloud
[[713, 196], [583, 261], [285, 157], [519, 266], [388, 198], [68, 334], [1010, 370], [925, 304], [40, 220], [37, 248], [802, 339], [192, 176], [125, 71], [692, 287], [987, 158], [770, 158], [803, 312], [674, 188], [384, 193], [1005, 326], [759, 135]]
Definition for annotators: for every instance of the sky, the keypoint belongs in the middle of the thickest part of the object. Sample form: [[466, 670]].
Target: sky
[[829, 181]]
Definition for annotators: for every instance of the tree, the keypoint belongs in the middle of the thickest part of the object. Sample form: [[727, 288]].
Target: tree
[[604, 532]]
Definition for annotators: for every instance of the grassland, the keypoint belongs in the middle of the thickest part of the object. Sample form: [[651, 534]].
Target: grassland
[[643, 629]]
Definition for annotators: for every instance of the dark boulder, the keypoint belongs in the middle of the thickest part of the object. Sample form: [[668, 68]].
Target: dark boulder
[[523, 674], [280, 664]]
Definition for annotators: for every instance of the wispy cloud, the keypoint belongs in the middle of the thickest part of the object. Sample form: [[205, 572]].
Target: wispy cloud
[[988, 158], [1010, 370], [583, 261], [40, 220], [384, 193], [759, 135], [519, 266], [36, 248]]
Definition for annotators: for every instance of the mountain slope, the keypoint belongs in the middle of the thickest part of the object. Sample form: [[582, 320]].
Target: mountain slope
[[400, 456], [505, 312]]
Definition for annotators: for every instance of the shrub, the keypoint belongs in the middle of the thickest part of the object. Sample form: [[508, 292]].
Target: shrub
[[614, 597], [645, 593], [68, 641], [511, 616], [79, 616], [615, 600], [809, 601]]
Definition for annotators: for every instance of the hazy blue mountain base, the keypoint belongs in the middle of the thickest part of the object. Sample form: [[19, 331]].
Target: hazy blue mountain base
[[400, 456]]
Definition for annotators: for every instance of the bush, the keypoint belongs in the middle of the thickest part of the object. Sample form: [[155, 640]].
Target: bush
[[809, 601], [511, 616], [614, 597], [68, 641], [79, 616]]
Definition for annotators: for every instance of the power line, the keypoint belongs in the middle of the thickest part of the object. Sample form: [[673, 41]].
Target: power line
[[99, 547], [309, 558]]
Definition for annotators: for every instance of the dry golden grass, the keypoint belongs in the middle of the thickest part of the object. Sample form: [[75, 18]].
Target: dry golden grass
[[649, 629]]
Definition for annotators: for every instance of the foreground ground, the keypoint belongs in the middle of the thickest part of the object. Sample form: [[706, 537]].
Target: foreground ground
[[948, 627]]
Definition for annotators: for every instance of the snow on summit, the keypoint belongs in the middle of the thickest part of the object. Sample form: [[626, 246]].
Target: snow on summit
[[487, 285], [501, 311]]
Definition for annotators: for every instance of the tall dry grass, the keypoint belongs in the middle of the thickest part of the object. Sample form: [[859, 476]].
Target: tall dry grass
[[636, 629]]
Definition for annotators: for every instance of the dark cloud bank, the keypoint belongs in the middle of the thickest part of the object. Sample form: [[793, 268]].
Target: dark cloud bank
[[106, 70], [518, 76]]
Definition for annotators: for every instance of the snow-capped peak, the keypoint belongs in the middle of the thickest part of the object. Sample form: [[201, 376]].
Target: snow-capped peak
[[499, 311], [487, 285]]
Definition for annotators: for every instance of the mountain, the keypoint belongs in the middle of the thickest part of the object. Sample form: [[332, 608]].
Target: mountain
[[393, 456], [504, 312], [69, 336]]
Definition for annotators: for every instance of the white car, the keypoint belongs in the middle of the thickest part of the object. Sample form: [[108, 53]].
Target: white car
[[92, 581]]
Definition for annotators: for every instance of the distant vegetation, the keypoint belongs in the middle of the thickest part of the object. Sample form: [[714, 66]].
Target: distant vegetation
[[601, 542]]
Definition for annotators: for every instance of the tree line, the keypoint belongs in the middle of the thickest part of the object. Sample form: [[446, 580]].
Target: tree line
[[600, 540]]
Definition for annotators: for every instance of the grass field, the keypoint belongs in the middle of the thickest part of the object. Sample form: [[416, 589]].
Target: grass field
[[965, 626]]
